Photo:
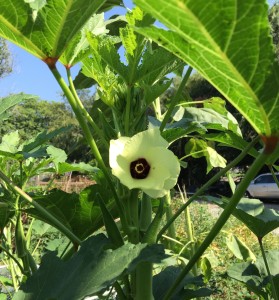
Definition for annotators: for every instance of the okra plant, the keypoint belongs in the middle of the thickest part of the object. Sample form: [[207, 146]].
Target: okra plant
[[121, 229]]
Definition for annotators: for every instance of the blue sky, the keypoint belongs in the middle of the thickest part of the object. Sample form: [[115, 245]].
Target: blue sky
[[30, 75]]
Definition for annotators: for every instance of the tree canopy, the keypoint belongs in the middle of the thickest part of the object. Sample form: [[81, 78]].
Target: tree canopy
[[34, 116], [273, 17], [5, 59]]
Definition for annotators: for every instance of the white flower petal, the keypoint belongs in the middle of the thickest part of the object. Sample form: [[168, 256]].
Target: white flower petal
[[150, 146], [116, 148]]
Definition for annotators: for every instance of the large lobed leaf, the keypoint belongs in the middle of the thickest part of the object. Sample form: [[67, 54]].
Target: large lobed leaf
[[54, 26], [254, 215], [9, 101], [229, 44], [79, 212], [92, 269], [255, 276]]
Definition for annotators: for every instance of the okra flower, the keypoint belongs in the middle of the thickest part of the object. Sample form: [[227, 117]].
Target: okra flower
[[144, 162]]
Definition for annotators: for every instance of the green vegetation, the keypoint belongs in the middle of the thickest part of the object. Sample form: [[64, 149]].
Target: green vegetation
[[128, 233]]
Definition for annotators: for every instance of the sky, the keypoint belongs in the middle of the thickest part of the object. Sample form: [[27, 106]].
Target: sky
[[31, 76]]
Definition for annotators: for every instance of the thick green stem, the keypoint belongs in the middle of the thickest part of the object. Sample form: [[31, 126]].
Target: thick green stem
[[82, 121], [41, 209], [133, 211], [207, 185], [127, 112], [91, 142], [145, 213], [144, 281], [175, 98], [84, 111], [239, 192], [144, 270], [169, 216], [10, 261], [273, 288]]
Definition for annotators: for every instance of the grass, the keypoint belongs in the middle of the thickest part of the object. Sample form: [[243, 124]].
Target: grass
[[203, 216]]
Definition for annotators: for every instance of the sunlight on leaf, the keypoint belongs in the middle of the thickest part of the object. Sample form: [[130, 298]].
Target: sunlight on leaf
[[54, 27], [232, 50]]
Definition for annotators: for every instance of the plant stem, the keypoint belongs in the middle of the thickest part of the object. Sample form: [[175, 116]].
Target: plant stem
[[144, 270], [175, 98], [86, 131], [127, 112], [145, 213], [144, 281], [169, 215], [42, 210], [189, 228], [157, 108], [207, 185], [274, 175], [239, 192], [133, 211], [12, 258], [84, 111], [120, 293], [273, 288], [15, 279]]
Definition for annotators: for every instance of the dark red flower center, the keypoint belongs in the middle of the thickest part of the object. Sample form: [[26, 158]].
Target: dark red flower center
[[139, 168]]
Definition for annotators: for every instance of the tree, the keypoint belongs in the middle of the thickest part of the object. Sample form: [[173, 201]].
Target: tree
[[273, 16], [200, 89], [34, 116], [5, 59]]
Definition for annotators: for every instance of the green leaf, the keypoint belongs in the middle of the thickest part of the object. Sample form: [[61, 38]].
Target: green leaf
[[114, 24], [6, 281], [156, 64], [93, 268], [57, 155], [79, 47], [200, 120], [106, 54], [211, 119], [239, 249], [110, 225], [40, 228], [35, 5], [164, 280], [9, 101], [83, 82], [230, 139], [254, 215], [151, 92], [39, 140], [128, 37], [10, 142], [79, 212], [6, 213], [3, 296], [254, 275], [229, 44], [55, 26], [82, 167], [175, 132], [206, 268], [198, 148]]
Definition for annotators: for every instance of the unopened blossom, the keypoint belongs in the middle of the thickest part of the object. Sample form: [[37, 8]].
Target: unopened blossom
[[144, 162]]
